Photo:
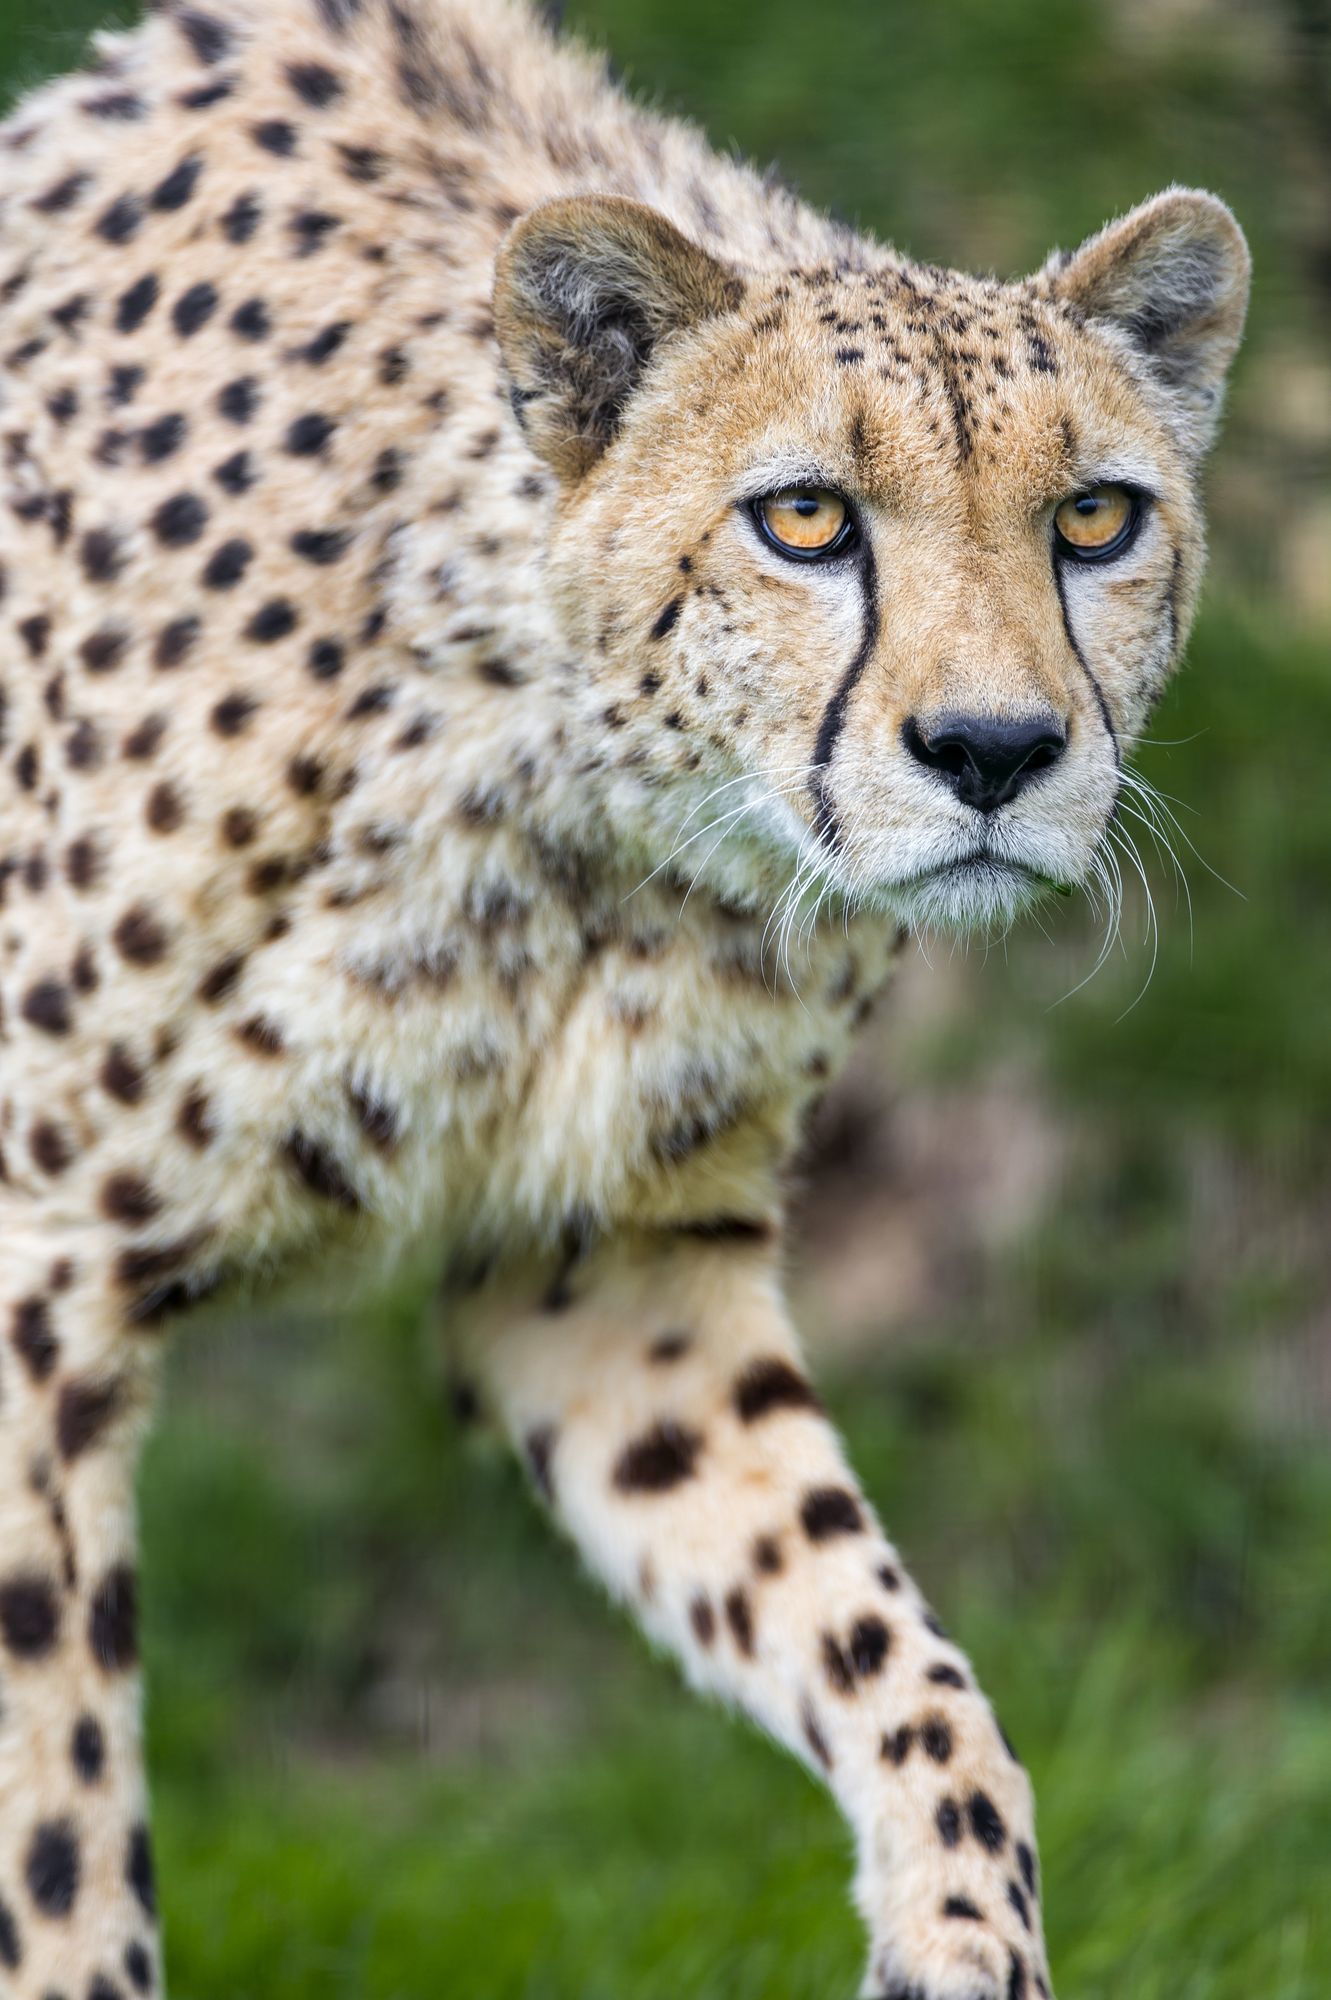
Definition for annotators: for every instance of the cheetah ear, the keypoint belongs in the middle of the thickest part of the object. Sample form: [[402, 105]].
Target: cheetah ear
[[586, 291], [1172, 276]]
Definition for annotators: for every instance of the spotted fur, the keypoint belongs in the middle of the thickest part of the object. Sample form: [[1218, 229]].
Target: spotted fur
[[415, 774]]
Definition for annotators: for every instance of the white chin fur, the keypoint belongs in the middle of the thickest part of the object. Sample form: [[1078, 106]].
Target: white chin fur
[[981, 895]]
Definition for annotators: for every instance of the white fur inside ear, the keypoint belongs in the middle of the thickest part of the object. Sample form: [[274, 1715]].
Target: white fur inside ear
[[586, 289], [1172, 276]]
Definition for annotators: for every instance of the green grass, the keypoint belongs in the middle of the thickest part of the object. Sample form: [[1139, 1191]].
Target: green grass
[[1139, 1574]]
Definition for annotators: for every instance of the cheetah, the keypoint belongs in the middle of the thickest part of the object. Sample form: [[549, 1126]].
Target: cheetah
[[509, 620]]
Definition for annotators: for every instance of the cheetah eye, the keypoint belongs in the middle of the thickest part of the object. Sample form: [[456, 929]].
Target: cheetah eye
[[806, 522], [1098, 523]]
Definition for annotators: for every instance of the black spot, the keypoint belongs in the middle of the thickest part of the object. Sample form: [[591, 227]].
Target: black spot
[[371, 701], [320, 545], [174, 641], [325, 659], [102, 1988], [889, 1577], [361, 163], [145, 737], [275, 135], [830, 1510], [1019, 1904], [948, 1821], [669, 1347], [138, 1967], [252, 321], [309, 434], [29, 1617], [237, 401], [814, 1737], [72, 312], [936, 1739], [772, 1384], [869, 1643], [206, 94], [986, 1822], [138, 937], [233, 713], [314, 84], [62, 195], [63, 405], [836, 1666], [11, 1956], [51, 1868], [46, 1006], [227, 564], [660, 1459], [179, 185], [895, 1747], [377, 1120], [135, 304], [194, 308], [311, 227], [35, 633], [539, 1447], [767, 1558], [209, 38], [101, 555], [1026, 1863], [162, 436], [118, 106], [180, 520], [122, 220], [315, 1165], [703, 1620], [32, 1334], [739, 1617], [83, 1411], [942, 1675], [236, 474], [242, 218], [667, 618], [323, 344], [272, 621], [962, 1906], [1016, 1981], [123, 385], [50, 1146], [139, 1869], [113, 1620]]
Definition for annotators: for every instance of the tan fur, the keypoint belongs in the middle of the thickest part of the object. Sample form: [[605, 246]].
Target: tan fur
[[419, 789]]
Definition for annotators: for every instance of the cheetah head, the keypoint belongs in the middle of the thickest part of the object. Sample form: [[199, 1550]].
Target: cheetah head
[[881, 564]]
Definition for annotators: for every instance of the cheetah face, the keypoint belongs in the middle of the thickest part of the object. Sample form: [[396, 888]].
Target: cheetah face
[[899, 558]]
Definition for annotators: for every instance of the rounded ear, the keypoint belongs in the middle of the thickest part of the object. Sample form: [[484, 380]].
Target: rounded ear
[[1173, 276], [586, 289]]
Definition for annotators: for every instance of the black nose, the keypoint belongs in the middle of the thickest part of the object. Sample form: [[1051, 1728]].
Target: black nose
[[987, 759]]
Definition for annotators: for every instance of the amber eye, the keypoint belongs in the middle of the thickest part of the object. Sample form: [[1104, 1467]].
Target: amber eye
[[1096, 523], [804, 520]]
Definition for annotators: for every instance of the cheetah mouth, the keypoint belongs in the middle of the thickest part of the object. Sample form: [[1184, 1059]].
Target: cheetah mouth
[[976, 891], [983, 866]]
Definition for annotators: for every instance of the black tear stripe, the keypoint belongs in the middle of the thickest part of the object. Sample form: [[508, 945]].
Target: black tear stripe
[[1084, 664], [825, 823]]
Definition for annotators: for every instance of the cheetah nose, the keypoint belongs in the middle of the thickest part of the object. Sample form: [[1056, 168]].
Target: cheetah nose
[[986, 759]]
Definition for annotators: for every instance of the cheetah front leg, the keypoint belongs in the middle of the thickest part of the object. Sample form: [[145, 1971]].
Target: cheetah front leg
[[77, 1909], [659, 1398]]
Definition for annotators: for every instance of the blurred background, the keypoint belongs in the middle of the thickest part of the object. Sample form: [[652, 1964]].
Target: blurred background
[[1065, 1262]]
